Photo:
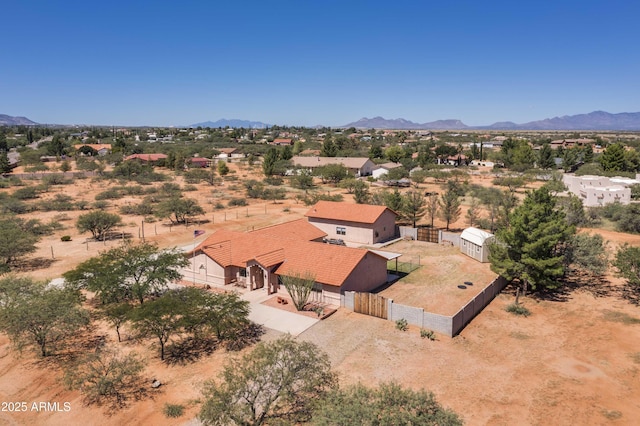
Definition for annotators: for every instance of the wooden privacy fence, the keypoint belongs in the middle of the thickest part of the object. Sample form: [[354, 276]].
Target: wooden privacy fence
[[370, 304], [429, 235]]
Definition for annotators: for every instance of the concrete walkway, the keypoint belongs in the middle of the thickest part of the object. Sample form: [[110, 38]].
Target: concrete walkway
[[274, 318]]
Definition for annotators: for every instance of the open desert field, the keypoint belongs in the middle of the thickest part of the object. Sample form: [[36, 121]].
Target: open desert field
[[576, 360]]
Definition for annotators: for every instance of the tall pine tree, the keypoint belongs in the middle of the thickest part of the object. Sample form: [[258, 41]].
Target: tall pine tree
[[531, 248]]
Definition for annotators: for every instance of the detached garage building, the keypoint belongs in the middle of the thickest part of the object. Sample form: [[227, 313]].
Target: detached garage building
[[475, 242]]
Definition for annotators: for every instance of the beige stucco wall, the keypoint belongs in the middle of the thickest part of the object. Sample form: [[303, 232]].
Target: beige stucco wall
[[362, 233], [370, 273], [206, 270]]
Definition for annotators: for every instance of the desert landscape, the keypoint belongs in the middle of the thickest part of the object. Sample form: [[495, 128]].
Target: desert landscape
[[574, 360]]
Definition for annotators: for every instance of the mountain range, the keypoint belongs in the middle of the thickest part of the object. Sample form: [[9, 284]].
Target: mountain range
[[7, 120], [232, 123], [597, 120]]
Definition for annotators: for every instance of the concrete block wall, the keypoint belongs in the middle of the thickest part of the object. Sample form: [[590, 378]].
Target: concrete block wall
[[414, 316], [407, 231], [453, 237]]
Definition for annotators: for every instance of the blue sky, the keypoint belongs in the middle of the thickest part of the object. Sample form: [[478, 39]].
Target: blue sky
[[329, 62]]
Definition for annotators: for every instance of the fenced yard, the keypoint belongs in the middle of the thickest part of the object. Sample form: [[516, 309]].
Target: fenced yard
[[404, 264], [438, 285]]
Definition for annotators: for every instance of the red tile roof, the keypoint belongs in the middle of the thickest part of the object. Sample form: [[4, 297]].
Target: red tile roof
[[330, 264], [359, 213], [299, 229]]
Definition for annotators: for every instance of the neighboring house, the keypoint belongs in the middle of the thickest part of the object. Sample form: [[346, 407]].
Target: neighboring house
[[356, 223], [600, 190], [100, 148], [455, 160], [383, 169], [146, 158], [570, 143], [257, 260], [228, 154], [358, 166], [282, 142], [201, 162], [475, 242]]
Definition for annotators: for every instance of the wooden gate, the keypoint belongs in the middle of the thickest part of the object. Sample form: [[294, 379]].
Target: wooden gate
[[429, 235], [370, 304]]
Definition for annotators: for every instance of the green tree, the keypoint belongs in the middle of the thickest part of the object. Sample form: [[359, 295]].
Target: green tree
[[613, 158], [278, 381], [332, 173], [302, 180], [160, 318], [106, 376], [389, 404], [586, 253], [269, 161], [178, 210], [128, 272], [473, 212], [531, 248], [394, 153], [545, 157], [98, 222], [15, 242], [449, 206], [299, 286], [223, 314], [329, 147], [5, 167], [40, 314], [627, 263], [117, 314], [223, 169], [587, 154], [361, 194], [413, 206], [432, 206]]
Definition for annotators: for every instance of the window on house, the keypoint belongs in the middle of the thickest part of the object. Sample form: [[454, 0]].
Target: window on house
[[243, 272], [478, 249], [341, 230]]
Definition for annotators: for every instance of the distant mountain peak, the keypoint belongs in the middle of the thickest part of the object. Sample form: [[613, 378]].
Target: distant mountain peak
[[8, 120], [236, 123]]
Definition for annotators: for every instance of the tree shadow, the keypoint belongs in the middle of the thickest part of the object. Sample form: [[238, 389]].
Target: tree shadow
[[595, 285], [249, 335], [189, 350], [33, 264]]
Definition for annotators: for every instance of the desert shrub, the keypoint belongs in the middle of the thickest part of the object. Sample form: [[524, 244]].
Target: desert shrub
[[65, 238], [100, 205], [82, 204], [26, 193], [150, 219], [141, 209], [273, 180], [15, 206], [518, 309], [237, 202], [218, 206], [173, 410], [427, 334], [60, 202], [56, 179], [35, 227], [312, 198], [109, 194], [133, 190], [402, 324], [7, 182], [189, 188]]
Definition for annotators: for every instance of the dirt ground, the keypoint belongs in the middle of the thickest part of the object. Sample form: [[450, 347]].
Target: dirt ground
[[575, 360], [434, 286]]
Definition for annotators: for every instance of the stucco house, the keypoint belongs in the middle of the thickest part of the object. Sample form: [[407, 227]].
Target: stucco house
[[356, 223], [101, 148], [600, 190], [475, 242], [358, 166], [147, 158], [383, 169], [201, 162], [257, 260]]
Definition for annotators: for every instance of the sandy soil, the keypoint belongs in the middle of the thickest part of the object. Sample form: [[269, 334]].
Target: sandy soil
[[576, 360], [434, 286]]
